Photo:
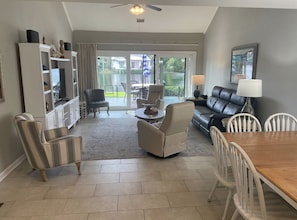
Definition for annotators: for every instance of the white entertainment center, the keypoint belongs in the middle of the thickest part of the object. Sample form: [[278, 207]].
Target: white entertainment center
[[41, 97]]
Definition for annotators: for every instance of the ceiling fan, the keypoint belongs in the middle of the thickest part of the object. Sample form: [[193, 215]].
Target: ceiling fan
[[137, 9]]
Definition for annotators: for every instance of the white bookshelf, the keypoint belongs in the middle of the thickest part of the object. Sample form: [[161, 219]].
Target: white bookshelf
[[36, 67]]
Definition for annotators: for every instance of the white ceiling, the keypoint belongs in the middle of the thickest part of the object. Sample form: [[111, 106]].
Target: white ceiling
[[177, 16]]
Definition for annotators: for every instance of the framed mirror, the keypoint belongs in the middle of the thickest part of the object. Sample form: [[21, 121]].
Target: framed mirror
[[243, 62]]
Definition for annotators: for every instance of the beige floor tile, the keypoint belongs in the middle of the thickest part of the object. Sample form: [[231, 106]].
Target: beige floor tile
[[56, 181], [94, 204], [90, 169], [120, 215], [118, 189], [188, 213], [116, 168], [207, 174], [189, 199], [163, 186], [101, 162], [16, 218], [62, 217], [141, 201], [22, 193], [166, 166], [215, 212], [65, 192], [194, 165], [140, 176], [199, 185], [202, 158], [99, 178], [37, 207], [180, 175]]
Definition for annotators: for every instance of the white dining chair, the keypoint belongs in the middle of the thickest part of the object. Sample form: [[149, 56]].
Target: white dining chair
[[243, 122], [222, 169], [280, 122], [250, 200]]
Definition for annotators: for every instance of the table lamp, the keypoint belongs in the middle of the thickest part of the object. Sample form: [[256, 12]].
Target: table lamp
[[249, 88], [197, 80]]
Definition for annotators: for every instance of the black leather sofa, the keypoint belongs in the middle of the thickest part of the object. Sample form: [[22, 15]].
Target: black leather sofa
[[223, 103]]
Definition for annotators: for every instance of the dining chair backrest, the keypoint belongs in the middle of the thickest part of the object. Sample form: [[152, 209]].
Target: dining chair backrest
[[243, 122], [249, 192], [280, 122], [221, 153]]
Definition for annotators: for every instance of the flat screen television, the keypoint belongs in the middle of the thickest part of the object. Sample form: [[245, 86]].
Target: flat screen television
[[58, 84]]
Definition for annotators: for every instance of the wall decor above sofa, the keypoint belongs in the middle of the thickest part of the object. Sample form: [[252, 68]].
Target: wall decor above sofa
[[243, 62]]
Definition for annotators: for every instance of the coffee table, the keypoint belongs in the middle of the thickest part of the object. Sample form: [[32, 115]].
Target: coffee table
[[139, 113]]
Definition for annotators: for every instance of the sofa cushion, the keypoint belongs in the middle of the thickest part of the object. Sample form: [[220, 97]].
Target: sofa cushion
[[211, 101], [226, 94], [236, 99], [216, 91], [219, 105], [231, 109]]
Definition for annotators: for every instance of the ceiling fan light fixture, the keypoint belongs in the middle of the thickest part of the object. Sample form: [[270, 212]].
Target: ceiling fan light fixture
[[136, 9]]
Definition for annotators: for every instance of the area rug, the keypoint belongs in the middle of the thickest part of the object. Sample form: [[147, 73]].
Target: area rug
[[116, 138]]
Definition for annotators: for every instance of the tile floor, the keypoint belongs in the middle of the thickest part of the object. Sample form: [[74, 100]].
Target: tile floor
[[133, 189]]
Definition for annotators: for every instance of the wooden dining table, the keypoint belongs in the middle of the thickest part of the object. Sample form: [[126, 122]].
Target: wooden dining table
[[274, 155]]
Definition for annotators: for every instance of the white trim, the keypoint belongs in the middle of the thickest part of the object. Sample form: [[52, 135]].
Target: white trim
[[11, 167], [67, 15]]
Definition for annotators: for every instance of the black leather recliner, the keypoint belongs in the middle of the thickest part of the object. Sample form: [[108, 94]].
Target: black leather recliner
[[223, 103]]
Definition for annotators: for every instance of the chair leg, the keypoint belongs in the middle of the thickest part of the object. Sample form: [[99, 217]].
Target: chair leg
[[43, 175], [228, 200], [235, 215], [78, 168], [213, 190], [108, 110]]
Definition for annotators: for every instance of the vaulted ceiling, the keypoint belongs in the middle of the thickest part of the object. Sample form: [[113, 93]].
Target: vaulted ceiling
[[177, 16]]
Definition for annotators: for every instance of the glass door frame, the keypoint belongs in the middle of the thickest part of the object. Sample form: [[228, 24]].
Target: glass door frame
[[190, 67]]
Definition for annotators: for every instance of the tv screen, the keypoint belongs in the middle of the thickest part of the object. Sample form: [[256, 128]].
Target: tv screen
[[58, 84]]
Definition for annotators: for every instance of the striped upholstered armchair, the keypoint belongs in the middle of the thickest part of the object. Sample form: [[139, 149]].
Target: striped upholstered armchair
[[47, 148]]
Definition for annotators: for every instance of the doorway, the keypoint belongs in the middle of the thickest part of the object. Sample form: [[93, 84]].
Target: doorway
[[125, 76]]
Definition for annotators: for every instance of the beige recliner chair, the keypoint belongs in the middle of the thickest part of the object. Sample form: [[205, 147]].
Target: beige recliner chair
[[155, 96], [170, 136]]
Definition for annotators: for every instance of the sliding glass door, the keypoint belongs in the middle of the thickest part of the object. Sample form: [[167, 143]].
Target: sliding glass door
[[125, 76]]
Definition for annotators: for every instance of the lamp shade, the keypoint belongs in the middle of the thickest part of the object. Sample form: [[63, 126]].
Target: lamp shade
[[249, 88], [198, 79]]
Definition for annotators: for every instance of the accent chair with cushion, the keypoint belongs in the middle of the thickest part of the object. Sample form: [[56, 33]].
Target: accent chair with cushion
[[170, 136], [47, 148], [155, 96], [95, 100]]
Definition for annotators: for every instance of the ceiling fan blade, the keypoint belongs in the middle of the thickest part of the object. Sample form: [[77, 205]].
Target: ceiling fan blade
[[154, 7], [114, 6]]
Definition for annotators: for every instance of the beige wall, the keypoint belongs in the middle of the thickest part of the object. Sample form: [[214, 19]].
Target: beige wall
[[275, 31], [144, 42], [16, 17]]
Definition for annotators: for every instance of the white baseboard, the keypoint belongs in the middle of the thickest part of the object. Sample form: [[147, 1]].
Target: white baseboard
[[11, 167]]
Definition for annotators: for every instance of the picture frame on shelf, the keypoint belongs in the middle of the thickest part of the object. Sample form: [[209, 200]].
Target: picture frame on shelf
[[243, 62]]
